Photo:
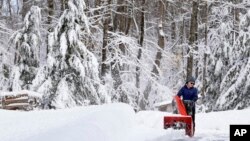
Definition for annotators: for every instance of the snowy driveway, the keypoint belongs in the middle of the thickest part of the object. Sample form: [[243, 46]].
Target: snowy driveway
[[111, 122]]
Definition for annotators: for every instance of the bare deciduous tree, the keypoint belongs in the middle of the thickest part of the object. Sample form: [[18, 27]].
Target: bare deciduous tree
[[161, 39], [141, 43], [106, 28], [192, 38]]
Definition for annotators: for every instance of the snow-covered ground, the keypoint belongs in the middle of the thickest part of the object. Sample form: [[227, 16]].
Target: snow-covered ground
[[111, 122]]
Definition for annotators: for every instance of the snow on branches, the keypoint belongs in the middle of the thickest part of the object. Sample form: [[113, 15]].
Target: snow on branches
[[71, 77]]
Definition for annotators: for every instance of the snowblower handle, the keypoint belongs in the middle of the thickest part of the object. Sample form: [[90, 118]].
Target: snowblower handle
[[180, 106], [188, 101]]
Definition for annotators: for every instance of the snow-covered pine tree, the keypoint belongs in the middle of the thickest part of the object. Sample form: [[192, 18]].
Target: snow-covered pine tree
[[26, 45], [71, 76], [235, 86], [218, 61], [229, 66]]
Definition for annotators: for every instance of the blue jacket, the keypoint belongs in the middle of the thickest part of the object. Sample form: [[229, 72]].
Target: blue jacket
[[188, 94]]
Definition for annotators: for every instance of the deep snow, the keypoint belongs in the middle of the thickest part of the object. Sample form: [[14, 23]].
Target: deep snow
[[111, 122]]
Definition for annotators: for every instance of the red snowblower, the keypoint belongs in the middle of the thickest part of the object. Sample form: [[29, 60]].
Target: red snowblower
[[183, 119]]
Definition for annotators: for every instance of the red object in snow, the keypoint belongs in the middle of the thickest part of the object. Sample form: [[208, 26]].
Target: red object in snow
[[180, 121]]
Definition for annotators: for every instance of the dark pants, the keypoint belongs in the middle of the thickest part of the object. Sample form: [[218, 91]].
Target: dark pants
[[193, 115], [191, 111]]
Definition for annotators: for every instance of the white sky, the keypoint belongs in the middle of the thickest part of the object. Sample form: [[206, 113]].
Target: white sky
[[111, 122]]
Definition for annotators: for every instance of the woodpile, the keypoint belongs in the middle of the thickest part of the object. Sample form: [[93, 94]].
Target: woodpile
[[19, 101]]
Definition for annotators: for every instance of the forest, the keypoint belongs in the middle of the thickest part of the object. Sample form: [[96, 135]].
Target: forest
[[139, 52]]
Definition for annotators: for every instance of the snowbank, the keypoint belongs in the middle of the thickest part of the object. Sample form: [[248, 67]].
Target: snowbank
[[111, 122], [97, 123]]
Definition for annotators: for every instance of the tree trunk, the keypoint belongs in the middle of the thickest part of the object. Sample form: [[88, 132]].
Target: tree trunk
[[26, 7], [1, 5], [17, 5], [49, 18], [192, 38], [161, 41], [182, 39], [141, 44], [122, 18], [64, 5], [50, 11], [9, 8], [236, 16], [119, 19], [129, 18], [173, 25], [122, 22], [97, 4], [106, 28], [205, 54], [119, 24]]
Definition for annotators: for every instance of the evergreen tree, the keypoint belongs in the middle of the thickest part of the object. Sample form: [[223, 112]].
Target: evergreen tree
[[228, 66], [26, 45], [71, 77], [235, 86]]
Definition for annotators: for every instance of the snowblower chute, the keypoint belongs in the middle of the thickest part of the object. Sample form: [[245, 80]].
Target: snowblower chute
[[181, 120]]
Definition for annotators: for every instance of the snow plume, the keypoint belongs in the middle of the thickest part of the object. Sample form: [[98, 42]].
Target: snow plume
[[25, 44], [71, 77]]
